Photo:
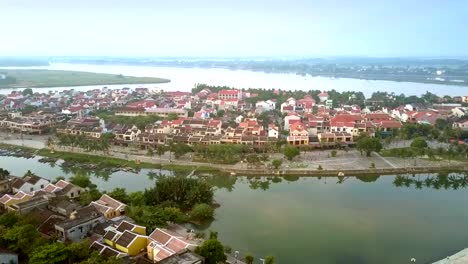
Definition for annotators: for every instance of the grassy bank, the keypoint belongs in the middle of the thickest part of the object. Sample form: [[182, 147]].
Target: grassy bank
[[53, 78]]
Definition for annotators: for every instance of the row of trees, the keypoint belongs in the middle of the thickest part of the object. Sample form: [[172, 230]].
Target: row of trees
[[89, 144]]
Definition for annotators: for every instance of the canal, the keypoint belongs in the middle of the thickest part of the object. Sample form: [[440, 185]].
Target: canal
[[301, 220]]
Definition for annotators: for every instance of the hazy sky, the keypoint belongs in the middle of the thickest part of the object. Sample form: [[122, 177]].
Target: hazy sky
[[234, 28]]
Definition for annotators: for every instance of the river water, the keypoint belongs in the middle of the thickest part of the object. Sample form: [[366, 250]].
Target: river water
[[183, 79], [332, 220]]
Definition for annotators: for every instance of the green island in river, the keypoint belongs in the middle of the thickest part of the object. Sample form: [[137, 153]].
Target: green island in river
[[56, 78]]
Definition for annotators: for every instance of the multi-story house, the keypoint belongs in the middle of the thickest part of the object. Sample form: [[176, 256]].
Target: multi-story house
[[298, 134]]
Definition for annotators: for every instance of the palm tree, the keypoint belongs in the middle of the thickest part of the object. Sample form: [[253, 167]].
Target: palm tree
[[160, 150], [150, 152], [249, 259], [269, 260]]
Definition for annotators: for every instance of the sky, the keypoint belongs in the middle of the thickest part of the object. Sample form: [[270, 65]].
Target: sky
[[372, 28]]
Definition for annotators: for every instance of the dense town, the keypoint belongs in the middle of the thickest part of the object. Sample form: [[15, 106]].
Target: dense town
[[217, 117], [148, 118]]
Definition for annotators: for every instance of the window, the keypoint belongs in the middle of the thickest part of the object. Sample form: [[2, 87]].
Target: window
[[81, 229], [72, 194], [42, 186], [31, 189]]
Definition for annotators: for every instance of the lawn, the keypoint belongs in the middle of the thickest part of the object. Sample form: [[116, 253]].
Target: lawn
[[54, 78]]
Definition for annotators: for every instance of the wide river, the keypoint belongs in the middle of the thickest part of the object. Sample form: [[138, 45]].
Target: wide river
[[330, 220], [183, 79]]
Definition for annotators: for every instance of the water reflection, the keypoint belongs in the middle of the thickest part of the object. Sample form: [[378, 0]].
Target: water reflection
[[435, 181], [440, 181]]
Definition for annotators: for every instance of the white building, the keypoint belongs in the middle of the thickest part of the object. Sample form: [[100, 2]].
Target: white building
[[460, 111], [30, 183], [267, 105], [288, 118], [273, 131], [462, 126]]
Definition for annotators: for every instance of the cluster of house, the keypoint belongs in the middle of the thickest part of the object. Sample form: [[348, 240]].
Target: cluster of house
[[307, 121], [104, 222]]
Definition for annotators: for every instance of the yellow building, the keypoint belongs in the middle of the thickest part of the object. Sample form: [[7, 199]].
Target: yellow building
[[109, 206], [8, 200], [131, 243], [124, 225]]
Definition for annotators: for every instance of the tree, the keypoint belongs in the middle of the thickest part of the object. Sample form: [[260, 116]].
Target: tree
[[290, 152], [220, 113], [8, 219], [419, 143], [54, 253], [276, 163], [150, 153], [269, 260], [253, 159], [21, 238], [180, 149], [172, 116], [182, 191], [249, 259], [202, 212], [441, 124], [89, 196], [4, 173], [27, 91], [81, 180], [78, 251], [58, 178], [212, 250], [368, 145], [120, 194], [160, 150], [28, 109], [137, 198]]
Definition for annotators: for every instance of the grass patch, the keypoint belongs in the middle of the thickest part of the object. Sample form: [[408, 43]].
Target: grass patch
[[55, 78], [100, 161]]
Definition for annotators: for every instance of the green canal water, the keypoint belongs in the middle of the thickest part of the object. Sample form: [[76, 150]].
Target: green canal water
[[387, 219]]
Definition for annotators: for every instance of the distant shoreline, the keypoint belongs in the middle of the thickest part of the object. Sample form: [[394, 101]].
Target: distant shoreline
[[38, 78]]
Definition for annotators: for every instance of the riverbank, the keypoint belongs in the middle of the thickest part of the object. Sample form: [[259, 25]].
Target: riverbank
[[57, 78], [317, 163]]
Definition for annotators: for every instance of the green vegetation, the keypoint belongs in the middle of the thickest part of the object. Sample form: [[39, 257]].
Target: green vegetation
[[212, 250], [179, 191], [202, 212], [138, 121], [53, 78], [290, 152], [368, 145], [269, 260], [277, 163], [453, 152], [249, 259], [223, 154], [419, 143], [19, 234]]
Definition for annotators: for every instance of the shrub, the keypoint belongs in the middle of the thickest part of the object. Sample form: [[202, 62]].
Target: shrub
[[202, 212], [419, 143], [319, 167], [333, 153], [276, 163]]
